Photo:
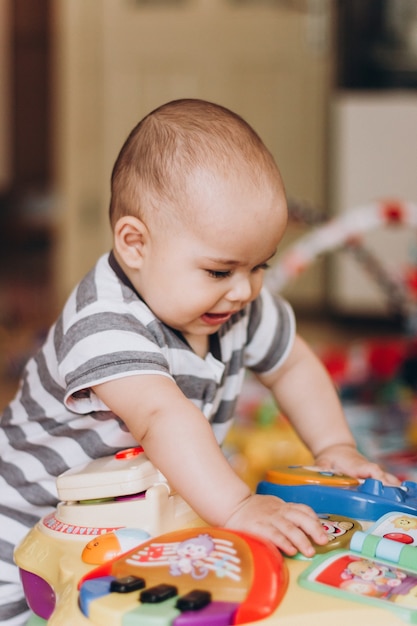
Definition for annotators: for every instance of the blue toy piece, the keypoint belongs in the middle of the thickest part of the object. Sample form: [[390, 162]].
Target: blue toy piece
[[369, 500]]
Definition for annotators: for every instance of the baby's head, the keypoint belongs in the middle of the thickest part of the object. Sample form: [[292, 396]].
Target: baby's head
[[198, 209], [165, 154]]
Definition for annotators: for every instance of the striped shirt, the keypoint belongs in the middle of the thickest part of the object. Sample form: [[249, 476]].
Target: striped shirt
[[105, 332]]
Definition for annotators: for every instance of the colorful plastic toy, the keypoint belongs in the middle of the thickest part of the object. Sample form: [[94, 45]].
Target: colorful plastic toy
[[194, 577], [191, 577], [83, 554], [134, 503], [201, 576], [380, 568], [366, 501]]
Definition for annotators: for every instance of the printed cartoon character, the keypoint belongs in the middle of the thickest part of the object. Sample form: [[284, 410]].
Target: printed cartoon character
[[405, 522], [381, 575], [359, 587], [375, 579], [189, 557], [336, 528]]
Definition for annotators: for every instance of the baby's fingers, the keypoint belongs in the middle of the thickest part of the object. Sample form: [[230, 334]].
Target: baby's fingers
[[288, 525], [299, 524], [372, 470], [290, 528]]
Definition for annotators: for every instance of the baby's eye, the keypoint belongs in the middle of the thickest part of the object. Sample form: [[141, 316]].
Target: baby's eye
[[263, 266], [218, 274]]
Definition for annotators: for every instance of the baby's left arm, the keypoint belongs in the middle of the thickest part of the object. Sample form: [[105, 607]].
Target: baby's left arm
[[305, 393]]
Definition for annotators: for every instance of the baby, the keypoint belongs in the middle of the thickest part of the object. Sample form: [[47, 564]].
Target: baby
[[152, 345]]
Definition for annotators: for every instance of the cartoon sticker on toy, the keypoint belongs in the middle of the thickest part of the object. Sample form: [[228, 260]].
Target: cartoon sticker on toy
[[190, 555], [339, 531], [195, 556], [383, 577], [371, 578], [405, 522], [336, 528]]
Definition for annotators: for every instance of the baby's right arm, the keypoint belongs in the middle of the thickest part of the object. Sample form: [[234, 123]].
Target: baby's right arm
[[179, 441], [286, 524]]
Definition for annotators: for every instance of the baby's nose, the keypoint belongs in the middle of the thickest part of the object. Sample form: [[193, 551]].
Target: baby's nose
[[241, 290]]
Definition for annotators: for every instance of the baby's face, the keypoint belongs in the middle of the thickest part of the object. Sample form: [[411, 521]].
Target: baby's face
[[201, 271]]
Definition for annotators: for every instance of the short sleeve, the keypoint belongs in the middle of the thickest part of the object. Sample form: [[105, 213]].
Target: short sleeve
[[105, 347], [271, 333]]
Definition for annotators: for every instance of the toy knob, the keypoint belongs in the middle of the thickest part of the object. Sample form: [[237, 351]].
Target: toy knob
[[371, 486]]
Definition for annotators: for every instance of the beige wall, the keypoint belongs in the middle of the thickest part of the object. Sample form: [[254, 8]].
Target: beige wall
[[117, 60]]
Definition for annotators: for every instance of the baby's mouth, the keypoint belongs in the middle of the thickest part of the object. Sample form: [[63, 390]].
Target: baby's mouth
[[214, 319]]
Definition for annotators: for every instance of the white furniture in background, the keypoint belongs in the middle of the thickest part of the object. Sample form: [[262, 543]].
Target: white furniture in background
[[373, 156]]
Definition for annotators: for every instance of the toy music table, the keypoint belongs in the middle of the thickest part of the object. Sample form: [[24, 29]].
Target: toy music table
[[53, 548], [299, 607]]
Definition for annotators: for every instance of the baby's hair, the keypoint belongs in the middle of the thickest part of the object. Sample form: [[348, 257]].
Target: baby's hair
[[172, 141]]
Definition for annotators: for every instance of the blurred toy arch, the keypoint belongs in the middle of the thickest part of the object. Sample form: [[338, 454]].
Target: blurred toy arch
[[347, 232]]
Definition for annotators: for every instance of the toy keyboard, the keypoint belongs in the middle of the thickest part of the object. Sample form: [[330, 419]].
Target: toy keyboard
[[368, 500], [193, 577]]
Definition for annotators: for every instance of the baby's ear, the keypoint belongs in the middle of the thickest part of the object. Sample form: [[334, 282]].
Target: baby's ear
[[130, 239]]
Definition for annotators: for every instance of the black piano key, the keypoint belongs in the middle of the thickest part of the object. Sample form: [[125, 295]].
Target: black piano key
[[194, 600], [159, 593], [127, 584]]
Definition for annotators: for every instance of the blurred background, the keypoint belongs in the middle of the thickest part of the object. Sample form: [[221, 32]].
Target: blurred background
[[330, 85]]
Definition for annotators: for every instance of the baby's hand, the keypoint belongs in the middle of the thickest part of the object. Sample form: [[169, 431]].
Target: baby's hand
[[287, 525], [347, 460]]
